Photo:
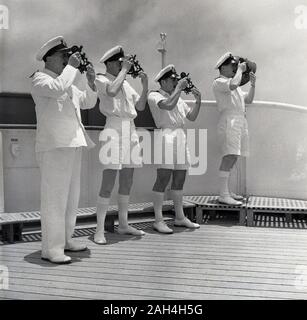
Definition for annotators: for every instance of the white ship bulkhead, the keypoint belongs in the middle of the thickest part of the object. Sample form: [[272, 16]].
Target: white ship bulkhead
[[277, 165]]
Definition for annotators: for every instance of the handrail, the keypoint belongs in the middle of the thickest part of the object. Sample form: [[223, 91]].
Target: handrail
[[259, 103]]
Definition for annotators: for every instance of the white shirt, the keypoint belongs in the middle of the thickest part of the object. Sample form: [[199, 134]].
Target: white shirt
[[123, 104], [57, 106], [228, 101], [174, 118]]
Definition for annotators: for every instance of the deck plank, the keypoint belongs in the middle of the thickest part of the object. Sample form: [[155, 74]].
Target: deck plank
[[203, 273], [144, 281], [178, 257], [146, 251], [155, 290], [214, 262]]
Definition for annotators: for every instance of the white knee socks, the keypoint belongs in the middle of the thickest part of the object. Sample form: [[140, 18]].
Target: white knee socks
[[123, 202], [177, 196], [158, 198], [102, 208], [224, 181]]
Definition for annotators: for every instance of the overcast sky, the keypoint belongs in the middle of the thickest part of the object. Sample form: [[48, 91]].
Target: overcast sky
[[198, 33]]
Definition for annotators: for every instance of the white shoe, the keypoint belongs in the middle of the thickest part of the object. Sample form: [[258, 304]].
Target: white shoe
[[187, 223], [99, 238], [62, 259], [130, 230], [229, 200], [236, 196], [162, 227], [74, 246]]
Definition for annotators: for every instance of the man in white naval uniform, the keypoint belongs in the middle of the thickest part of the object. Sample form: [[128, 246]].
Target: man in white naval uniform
[[170, 112], [232, 126], [59, 138], [119, 102]]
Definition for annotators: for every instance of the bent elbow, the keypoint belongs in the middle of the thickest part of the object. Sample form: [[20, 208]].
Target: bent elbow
[[233, 86], [111, 93], [140, 108], [167, 107], [191, 118]]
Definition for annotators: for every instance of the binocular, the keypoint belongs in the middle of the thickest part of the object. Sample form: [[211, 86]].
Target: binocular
[[250, 67], [83, 62]]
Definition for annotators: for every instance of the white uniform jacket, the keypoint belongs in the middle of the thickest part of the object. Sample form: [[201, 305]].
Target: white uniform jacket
[[57, 105]]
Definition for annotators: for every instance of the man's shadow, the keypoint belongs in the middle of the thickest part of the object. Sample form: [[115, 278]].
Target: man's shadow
[[114, 237], [35, 258]]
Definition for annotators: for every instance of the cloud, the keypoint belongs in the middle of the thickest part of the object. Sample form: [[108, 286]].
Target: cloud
[[198, 32]]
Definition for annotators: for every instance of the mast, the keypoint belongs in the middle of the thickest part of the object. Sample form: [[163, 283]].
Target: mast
[[162, 48]]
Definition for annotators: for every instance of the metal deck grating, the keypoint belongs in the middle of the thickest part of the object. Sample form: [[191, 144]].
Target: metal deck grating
[[89, 231], [19, 217], [276, 204], [261, 220], [33, 216], [82, 212], [210, 202], [132, 207], [86, 211]]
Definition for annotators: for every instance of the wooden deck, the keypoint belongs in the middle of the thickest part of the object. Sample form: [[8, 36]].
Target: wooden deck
[[218, 261]]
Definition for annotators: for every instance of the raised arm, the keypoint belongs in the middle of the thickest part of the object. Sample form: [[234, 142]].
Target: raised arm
[[114, 87], [251, 93], [141, 103], [236, 80], [88, 98], [171, 102], [192, 115], [44, 85]]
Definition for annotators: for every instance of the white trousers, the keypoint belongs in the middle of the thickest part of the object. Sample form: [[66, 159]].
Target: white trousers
[[60, 191]]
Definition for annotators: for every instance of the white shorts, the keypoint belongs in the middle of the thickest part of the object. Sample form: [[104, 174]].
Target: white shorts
[[120, 146], [233, 135], [173, 151]]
